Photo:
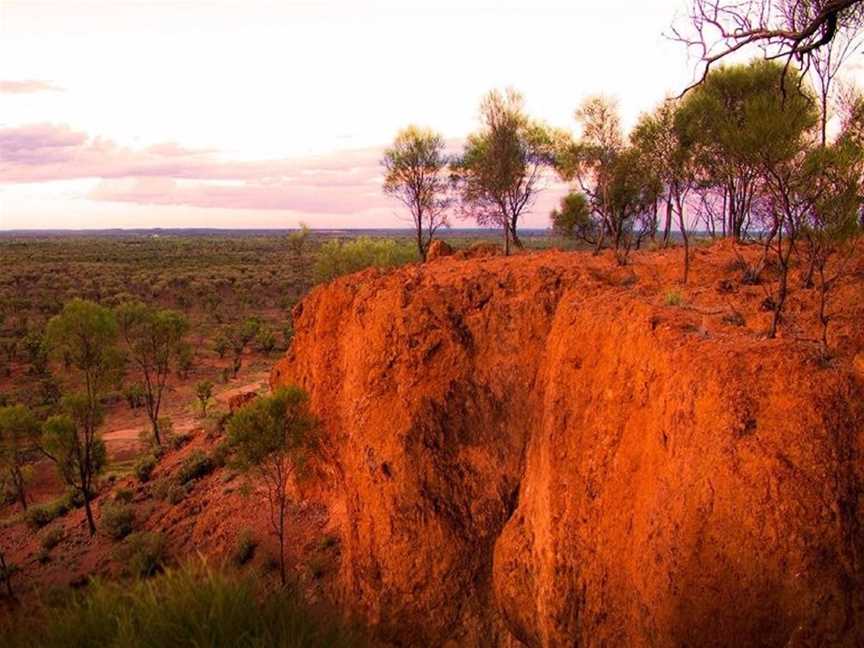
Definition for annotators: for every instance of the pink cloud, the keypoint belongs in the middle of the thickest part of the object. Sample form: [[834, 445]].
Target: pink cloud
[[344, 183], [289, 195], [27, 87], [47, 152]]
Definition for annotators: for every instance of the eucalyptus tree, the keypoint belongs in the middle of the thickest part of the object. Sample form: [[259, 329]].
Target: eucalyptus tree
[[84, 335], [621, 193], [272, 438], [832, 226], [501, 170], [416, 175], [662, 150], [19, 436], [734, 123], [154, 343]]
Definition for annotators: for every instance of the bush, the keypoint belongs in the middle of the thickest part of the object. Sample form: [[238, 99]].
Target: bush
[[117, 520], [144, 468], [43, 514], [208, 607], [245, 549], [265, 341], [124, 495], [336, 258], [195, 466], [179, 440], [143, 553], [51, 538], [176, 492], [674, 298]]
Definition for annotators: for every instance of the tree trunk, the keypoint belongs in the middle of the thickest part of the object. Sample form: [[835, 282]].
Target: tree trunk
[[91, 525], [7, 576], [154, 421], [506, 240], [823, 121], [680, 206], [516, 241], [781, 290], [282, 574], [823, 315], [421, 249], [667, 230], [18, 480]]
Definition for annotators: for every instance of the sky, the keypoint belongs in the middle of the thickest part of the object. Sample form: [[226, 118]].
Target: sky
[[254, 113]]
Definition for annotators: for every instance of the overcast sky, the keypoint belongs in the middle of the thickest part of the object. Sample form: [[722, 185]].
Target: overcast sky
[[253, 113]]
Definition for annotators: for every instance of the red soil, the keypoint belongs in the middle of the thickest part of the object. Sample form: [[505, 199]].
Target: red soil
[[542, 448]]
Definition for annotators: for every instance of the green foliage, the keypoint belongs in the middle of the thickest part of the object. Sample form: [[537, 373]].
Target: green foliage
[[192, 606], [573, 218], [739, 116], [19, 433], [84, 336], [204, 392], [273, 436], [125, 495], [280, 423], [245, 547], [63, 440], [153, 339], [117, 519], [195, 466], [51, 538], [674, 298], [500, 170], [265, 340], [144, 467], [134, 395], [43, 514], [143, 553], [337, 258], [415, 167]]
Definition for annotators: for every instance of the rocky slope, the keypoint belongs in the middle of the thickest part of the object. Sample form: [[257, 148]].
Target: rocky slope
[[540, 450]]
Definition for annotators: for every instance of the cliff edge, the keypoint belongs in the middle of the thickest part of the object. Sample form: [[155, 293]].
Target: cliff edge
[[552, 450]]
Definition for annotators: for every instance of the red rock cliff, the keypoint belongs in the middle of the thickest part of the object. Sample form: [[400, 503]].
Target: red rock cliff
[[540, 450]]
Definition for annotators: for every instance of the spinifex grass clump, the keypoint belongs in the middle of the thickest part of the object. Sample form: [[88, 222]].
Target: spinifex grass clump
[[192, 606]]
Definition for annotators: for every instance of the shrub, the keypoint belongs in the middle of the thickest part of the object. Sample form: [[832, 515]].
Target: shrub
[[144, 468], [195, 466], [204, 392], [51, 538], [117, 520], [161, 487], [177, 492], [124, 495], [210, 608], [134, 395], [265, 340], [336, 258], [43, 514], [674, 298], [143, 553], [245, 548], [180, 440]]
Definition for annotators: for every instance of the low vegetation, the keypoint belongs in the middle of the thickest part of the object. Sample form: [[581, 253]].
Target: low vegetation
[[192, 606]]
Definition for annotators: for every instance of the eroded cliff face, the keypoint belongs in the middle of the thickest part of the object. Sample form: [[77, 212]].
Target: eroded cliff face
[[538, 450]]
